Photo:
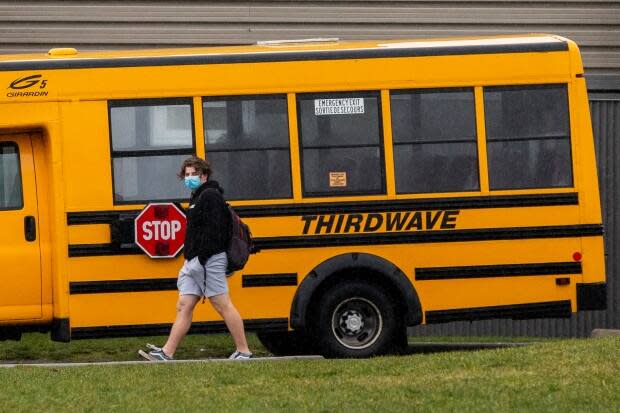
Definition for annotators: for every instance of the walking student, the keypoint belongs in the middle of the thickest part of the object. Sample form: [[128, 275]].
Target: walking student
[[204, 272]]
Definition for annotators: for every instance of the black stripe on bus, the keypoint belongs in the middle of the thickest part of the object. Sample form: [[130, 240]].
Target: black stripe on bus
[[153, 152], [564, 231], [551, 309], [122, 286], [506, 201], [430, 236], [268, 280], [101, 217], [489, 271], [170, 284], [510, 201], [97, 250], [264, 57], [261, 324]]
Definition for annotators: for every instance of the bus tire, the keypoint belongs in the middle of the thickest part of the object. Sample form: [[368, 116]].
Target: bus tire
[[284, 343], [357, 319]]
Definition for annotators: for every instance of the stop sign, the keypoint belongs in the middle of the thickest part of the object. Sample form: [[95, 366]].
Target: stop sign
[[160, 230]]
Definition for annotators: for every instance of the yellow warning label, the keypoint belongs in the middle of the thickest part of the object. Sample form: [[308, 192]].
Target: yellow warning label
[[337, 179]]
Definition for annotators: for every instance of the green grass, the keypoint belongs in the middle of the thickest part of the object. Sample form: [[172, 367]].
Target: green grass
[[552, 376], [38, 347], [35, 347]]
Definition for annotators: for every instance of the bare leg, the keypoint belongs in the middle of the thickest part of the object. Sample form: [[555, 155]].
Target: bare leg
[[182, 323], [229, 313]]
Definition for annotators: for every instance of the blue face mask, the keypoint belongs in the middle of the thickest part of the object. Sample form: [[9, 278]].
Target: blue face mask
[[192, 182]]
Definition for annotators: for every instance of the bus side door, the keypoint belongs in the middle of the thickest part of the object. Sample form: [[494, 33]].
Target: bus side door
[[20, 254]]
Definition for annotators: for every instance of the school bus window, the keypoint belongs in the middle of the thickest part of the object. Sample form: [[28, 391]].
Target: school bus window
[[340, 140], [247, 143], [528, 137], [150, 138], [434, 135], [10, 177]]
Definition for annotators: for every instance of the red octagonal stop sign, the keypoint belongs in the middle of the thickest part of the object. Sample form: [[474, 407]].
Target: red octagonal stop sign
[[160, 230]]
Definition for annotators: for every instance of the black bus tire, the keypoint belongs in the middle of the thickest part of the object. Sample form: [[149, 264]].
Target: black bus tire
[[357, 319]]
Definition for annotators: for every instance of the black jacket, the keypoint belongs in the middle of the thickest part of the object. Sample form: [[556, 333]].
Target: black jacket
[[208, 223]]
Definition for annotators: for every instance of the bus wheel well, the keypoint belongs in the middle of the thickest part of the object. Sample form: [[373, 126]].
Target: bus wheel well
[[368, 276], [356, 267]]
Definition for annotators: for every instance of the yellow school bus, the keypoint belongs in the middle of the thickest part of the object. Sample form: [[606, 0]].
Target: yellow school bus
[[386, 183]]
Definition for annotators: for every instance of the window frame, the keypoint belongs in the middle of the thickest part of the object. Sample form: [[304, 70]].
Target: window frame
[[569, 137], [475, 139], [381, 145], [143, 153], [269, 96], [19, 171]]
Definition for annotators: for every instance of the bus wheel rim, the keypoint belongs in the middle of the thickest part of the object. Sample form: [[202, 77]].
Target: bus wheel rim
[[357, 323]]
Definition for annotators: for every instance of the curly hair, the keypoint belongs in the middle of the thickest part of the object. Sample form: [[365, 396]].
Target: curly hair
[[201, 165]]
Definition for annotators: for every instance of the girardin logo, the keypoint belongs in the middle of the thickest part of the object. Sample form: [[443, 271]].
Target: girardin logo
[[380, 222], [28, 82]]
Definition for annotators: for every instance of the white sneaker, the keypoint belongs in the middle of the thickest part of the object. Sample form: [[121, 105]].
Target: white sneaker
[[238, 355]]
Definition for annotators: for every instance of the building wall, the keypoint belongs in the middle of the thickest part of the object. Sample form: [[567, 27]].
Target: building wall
[[27, 26], [40, 25]]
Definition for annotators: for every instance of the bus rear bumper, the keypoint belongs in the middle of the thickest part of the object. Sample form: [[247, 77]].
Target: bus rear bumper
[[592, 296]]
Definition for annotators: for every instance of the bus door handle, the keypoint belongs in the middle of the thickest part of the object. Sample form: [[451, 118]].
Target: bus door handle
[[30, 228]]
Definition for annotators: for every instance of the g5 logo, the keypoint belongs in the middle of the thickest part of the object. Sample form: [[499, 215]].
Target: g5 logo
[[28, 81]]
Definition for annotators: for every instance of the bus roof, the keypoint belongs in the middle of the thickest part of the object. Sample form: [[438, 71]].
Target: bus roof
[[331, 49]]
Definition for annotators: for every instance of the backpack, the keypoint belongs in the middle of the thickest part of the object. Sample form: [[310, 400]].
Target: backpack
[[240, 246]]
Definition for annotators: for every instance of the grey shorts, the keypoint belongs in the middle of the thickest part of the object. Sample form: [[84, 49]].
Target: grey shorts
[[191, 279]]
